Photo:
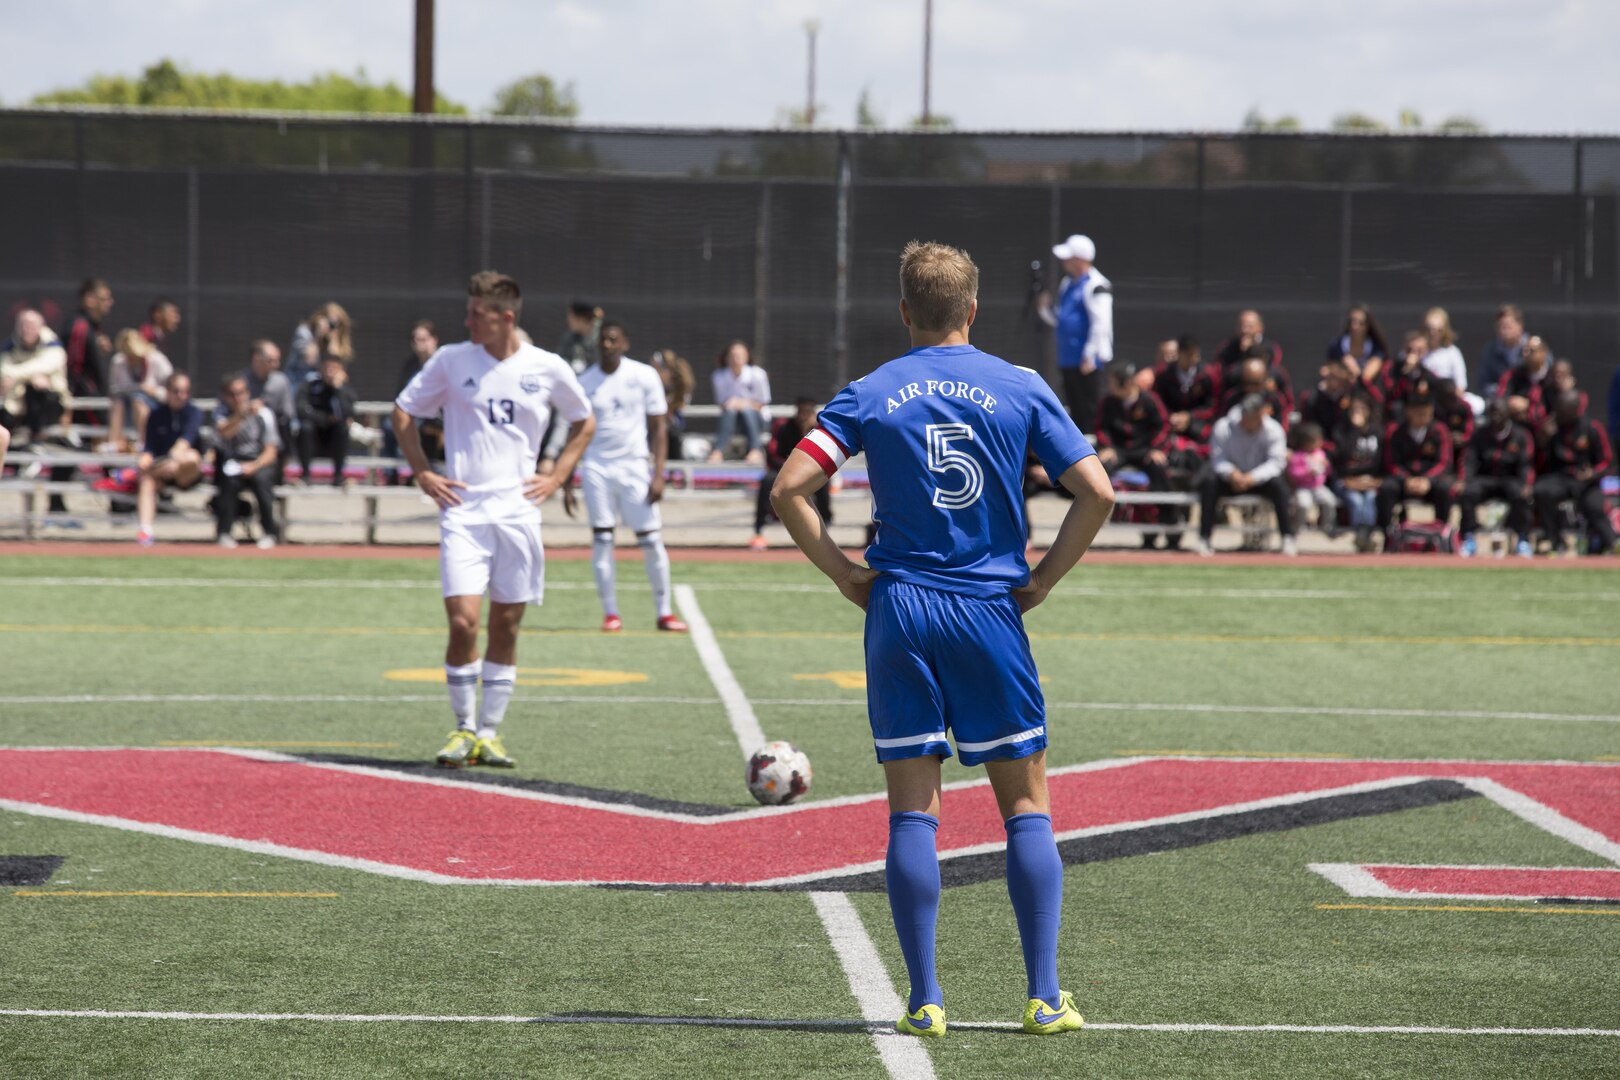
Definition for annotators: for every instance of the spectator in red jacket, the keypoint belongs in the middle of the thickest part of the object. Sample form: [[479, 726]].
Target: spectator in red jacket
[[1400, 377], [89, 348], [785, 435], [1418, 463], [1250, 342], [1500, 465], [1133, 431], [1191, 391], [1525, 387], [1560, 379], [1573, 464]]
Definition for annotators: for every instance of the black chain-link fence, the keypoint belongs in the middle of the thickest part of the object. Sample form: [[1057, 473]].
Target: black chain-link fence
[[789, 240]]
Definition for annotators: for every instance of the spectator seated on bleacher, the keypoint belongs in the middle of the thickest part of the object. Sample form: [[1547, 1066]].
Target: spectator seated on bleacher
[[1191, 391], [325, 410], [1453, 409], [1133, 432], [785, 435], [1400, 377], [1250, 343], [1309, 471], [1358, 466], [135, 384], [1572, 468], [1526, 387], [1247, 456], [679, 382], [1360, 347], [1252, 377], [1419, 463], [1328, 405], [269, 386], [1560, 380], [171, 451], [33, 377], [244, 444], [743, 391], [1500, 465], [1504, 352]]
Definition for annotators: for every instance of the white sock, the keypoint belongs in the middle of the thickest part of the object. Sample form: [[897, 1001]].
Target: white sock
[[498, 680], [657, 559], [602, 567], [463, 684]]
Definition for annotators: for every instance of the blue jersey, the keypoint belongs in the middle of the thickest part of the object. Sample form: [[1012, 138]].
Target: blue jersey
[[1073, 324], [946, 432]]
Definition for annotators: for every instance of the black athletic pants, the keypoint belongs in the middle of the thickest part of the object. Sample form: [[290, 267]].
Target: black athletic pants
[[231, 490], [1212, 488], [1509, 489]]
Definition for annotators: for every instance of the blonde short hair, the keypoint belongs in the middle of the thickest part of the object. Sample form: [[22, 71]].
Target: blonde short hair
[[939, 284], [131, 344]]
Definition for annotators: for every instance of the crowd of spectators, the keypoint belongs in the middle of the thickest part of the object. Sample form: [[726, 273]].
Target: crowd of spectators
[[1383, 430]]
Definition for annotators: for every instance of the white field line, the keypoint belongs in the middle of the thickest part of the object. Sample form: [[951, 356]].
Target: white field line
[[744, 724], [1545, 817], [1357, 880], [1076, 591], [833, 703], [903, 1056], [743, 1021]]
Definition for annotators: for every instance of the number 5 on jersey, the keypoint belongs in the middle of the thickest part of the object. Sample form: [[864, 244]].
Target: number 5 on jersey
[[506, 413], [942, 459]]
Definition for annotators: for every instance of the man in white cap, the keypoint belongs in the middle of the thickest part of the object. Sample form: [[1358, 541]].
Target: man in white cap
[[1084, 320]]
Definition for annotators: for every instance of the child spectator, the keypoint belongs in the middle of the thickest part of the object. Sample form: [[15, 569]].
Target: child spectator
[[1576, 457], [135, 384], [1358, 462], [325, 409], [743, 392], [1308, 472], [1500, 465], [784, 437], [1418, 463]]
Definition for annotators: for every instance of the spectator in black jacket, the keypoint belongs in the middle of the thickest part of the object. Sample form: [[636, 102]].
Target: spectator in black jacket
[[1419, 463], [1253, 377], [1500, 465], [785, 435], [1575, 459], [1526, 388], [1190, 390], [1133, 431], [1358, 466], [1453, 410], [1328, 406], [325, 408], [1250, 343]]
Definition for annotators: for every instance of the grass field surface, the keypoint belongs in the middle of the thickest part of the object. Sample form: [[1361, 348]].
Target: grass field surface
[[170, 878]]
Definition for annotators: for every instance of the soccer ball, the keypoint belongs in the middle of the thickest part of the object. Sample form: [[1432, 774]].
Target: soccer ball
[[778, 773]]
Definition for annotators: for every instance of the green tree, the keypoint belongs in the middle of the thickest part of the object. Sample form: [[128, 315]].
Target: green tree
[[537, 96], [1358, 123], [866, 117], [1255, 121], [168, 85]]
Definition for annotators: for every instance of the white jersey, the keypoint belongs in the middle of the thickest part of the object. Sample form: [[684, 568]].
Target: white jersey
[[622, 402], [495, 415]]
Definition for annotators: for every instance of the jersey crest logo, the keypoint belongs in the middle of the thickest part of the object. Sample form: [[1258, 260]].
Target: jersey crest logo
[[530, 384]]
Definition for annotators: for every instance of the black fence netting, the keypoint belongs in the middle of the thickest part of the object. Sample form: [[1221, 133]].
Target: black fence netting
[[789, 240]]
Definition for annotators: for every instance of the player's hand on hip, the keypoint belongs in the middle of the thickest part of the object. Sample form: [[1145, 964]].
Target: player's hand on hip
[[540, 487], [1030, 595], [857, 587], [655, 490], [441, 489]]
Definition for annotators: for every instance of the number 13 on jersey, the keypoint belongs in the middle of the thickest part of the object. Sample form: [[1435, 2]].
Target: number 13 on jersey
[[502, 411], [944, 460]]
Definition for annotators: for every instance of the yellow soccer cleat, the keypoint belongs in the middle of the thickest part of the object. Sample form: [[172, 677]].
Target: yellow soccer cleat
[[1041, 1019], [459, 750], [928, 1022], [490, 752]]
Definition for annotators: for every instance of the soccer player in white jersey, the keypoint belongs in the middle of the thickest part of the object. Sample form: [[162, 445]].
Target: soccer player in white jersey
[[627, 399], [497, 395]]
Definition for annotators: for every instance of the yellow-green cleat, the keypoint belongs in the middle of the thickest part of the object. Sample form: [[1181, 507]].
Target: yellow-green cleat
[[460, 750], [1041, 1018], [490, 752], [928, 1022]]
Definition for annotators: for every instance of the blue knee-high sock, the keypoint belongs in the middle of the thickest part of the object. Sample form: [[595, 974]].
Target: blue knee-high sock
[[912, 872], [1035, 883]]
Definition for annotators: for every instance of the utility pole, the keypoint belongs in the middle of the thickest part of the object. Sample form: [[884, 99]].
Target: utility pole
[[812, 27], [422, 95], [928, 60]]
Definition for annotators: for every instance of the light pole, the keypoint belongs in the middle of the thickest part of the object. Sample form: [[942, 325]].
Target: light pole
[[928, 60], [422, 97], [812, 27]]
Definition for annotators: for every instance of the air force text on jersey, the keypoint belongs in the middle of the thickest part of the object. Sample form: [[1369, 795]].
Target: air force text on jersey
[[978, 395]]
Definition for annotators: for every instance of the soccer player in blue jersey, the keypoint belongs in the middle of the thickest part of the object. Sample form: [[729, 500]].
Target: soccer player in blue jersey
[[945, 429]]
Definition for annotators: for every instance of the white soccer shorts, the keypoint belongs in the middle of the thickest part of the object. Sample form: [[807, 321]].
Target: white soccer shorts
[[504, 557], [616, 493]]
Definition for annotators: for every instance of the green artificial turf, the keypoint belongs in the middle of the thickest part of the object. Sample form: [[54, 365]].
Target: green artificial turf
[[1226, 659]]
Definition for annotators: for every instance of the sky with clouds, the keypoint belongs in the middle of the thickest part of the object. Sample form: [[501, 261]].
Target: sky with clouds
[[1546, 66]]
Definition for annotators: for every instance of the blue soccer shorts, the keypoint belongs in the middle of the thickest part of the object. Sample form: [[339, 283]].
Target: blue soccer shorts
[[939, 662]]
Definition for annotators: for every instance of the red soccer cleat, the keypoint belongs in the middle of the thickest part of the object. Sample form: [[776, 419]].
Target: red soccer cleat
[[612, 624], [672, 624]]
